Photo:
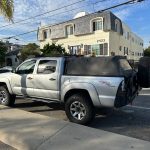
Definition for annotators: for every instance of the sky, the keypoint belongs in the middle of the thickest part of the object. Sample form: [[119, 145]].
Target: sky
[[136, 16]]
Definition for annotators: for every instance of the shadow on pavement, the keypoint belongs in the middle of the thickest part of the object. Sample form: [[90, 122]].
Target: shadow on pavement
[[126, 121]]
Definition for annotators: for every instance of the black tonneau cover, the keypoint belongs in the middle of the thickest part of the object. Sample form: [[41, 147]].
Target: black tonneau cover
[[95, 66]]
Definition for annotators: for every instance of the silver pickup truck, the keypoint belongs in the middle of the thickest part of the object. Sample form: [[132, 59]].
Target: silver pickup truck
[[82, 84]]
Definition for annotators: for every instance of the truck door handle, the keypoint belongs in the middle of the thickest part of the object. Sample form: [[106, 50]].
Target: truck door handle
[[30, 78], [52, 79]]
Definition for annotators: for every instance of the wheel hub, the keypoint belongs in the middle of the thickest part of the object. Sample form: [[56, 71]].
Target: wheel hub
[[2, 96], [77, 110]]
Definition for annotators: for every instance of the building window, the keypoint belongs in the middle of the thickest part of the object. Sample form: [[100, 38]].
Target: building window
[[96, 49], [105, 48], [100, 49], [97, 24], [117, 25], [75, 50], [126, 51], [87, 49], [128, 35], [45, 34], [69, 30], [120, 48]]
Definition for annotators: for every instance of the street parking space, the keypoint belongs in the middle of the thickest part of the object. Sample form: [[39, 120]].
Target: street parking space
[[132, 120]]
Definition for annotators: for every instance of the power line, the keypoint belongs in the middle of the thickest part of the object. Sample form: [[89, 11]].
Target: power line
[[19, 34], [125, 3], [42, 14], [55, 14]]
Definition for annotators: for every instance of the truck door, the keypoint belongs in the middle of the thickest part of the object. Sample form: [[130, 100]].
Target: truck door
[[22, 80], [46, 80]]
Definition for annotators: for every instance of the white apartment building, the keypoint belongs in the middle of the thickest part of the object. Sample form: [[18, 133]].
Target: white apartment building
[[98, 34]]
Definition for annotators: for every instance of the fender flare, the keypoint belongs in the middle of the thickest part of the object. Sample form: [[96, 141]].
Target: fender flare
[[7, 82], [83, 86]]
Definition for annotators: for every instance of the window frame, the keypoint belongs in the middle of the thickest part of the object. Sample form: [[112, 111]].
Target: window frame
[[45, 31], [100, 48], [94, 20], [17, 70], [46, 73], [71, 32], [117, 26]]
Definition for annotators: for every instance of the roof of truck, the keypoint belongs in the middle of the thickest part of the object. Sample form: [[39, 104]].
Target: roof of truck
[[78, 57]]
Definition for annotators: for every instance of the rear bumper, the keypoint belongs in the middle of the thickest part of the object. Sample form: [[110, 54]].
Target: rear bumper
[[123, 98], [121, 101]]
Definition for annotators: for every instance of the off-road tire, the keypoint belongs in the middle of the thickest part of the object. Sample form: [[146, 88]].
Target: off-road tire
[[9, 99], [85, 101]]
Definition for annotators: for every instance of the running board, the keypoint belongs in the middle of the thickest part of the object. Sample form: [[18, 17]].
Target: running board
[[40, 99]]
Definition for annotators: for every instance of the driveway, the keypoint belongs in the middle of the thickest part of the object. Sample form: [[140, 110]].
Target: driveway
[[132, 121]]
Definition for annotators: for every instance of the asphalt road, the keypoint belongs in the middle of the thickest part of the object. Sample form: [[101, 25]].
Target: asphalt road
[[132, 120]]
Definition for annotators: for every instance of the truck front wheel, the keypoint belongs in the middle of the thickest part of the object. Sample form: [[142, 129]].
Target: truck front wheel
[[79, 109], [5, 98]]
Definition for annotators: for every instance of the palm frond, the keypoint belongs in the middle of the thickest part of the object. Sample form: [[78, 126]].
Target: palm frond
[[7, 9]]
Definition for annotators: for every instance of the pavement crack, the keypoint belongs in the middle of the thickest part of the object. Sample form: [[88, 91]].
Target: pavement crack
[[38, 147]]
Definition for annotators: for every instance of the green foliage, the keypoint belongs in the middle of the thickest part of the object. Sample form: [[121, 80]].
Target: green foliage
[[7, 9], [53, 50], [147, 52], [3, 50], [31, 49]]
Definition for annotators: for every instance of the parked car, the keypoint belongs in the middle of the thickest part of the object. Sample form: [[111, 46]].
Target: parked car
[[6, 69], [82, 84]]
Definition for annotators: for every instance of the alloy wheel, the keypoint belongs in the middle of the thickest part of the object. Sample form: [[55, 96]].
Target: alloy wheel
[[3, 97], [77, 110]]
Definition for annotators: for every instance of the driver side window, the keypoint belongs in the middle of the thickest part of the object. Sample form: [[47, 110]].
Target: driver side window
[[27, 67]]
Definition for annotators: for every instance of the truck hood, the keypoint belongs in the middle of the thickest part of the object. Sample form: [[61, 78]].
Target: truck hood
[[6, 75]]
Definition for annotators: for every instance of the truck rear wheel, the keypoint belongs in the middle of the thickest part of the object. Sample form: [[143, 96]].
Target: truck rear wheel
[[5, 97], [79, 109]]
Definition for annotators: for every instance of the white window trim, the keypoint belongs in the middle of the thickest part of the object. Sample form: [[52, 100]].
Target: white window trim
[[118, 24], [70, 24], [47, 30], [94, 19]]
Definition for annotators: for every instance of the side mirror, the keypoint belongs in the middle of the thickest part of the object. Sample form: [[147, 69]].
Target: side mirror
[[13, 71]]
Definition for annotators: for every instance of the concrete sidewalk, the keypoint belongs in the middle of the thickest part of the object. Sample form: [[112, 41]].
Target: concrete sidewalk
[[28, 131]]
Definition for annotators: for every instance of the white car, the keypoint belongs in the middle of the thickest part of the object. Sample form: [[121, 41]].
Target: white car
[[6, 69]]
